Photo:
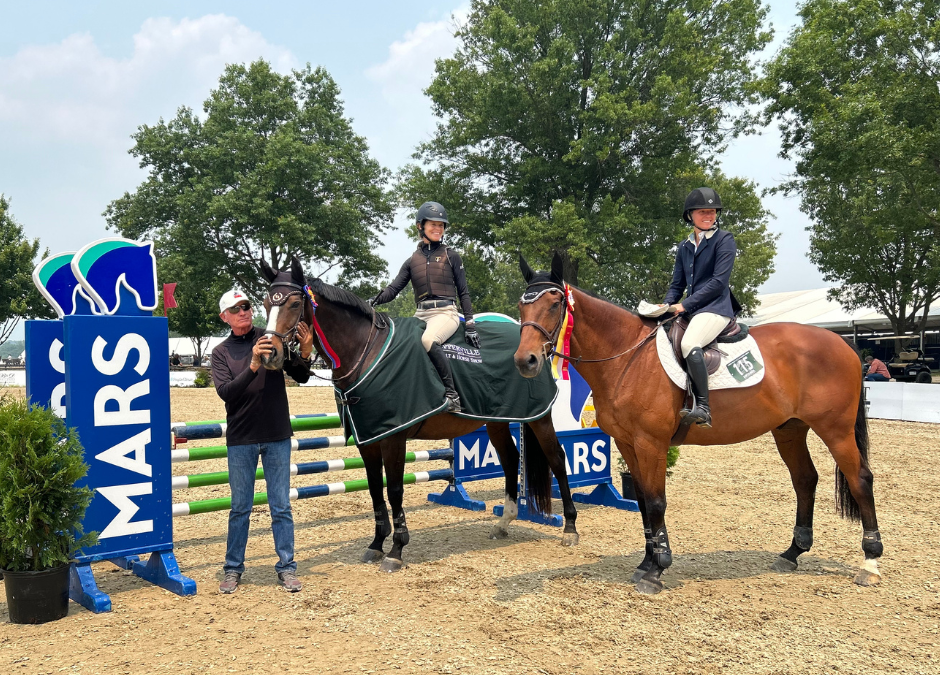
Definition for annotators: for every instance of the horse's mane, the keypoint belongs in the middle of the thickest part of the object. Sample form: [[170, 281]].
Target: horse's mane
[[545, 277], [341, 296]]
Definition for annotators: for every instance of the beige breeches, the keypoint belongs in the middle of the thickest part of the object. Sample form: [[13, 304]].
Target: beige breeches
[[442, 323], [703, 328]]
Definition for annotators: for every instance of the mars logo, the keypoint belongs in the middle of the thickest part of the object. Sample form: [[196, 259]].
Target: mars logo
[[58, 285], [119, 275], [110, 355]]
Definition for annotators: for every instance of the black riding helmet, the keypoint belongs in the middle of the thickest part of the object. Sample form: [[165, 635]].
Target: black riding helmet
[[701, 198], [431, 211]]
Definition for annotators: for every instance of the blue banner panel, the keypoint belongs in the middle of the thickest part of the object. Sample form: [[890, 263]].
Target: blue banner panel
[[475, 458], [587, 456], [45, 365], [118, 396]]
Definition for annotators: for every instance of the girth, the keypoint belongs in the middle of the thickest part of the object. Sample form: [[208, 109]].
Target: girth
[[733, 332]]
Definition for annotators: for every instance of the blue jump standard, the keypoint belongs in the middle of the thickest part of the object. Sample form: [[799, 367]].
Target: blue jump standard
[[161, 570], [456, 495]]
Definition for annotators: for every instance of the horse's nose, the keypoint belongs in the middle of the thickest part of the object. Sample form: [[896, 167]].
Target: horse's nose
[[528, 366]]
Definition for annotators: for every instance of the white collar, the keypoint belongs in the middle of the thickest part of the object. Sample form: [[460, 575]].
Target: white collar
[[708, 234]]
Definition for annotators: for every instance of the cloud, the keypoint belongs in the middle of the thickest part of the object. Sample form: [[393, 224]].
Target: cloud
[[72, 92]]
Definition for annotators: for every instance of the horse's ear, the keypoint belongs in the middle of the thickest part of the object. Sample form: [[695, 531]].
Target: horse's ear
[[527, 272], [558, 270], [269, 274], [297, 271]]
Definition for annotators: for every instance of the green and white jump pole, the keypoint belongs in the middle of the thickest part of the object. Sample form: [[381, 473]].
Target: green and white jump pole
[[225, 503]]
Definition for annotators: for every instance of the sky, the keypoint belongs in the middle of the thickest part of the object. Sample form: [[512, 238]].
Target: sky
[[77, 79]]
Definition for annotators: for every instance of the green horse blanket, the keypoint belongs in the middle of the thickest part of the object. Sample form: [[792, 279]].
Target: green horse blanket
[[401, 387]]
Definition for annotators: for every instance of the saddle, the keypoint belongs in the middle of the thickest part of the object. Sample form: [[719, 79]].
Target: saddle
[[733, 332]]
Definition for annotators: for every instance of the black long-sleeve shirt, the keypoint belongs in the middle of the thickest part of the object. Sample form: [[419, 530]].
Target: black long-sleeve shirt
[[256, 407]]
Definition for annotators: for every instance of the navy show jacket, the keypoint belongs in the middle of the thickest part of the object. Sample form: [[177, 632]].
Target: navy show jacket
[[705, 274]]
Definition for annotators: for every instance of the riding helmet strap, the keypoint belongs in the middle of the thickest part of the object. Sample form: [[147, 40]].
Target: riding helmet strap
[[330, 353]]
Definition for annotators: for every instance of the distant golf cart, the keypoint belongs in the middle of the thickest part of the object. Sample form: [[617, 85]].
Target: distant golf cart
[[910, 365]]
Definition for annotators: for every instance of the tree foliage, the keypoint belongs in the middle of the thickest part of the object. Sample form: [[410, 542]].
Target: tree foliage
[[855, 91], [272, 170], [579, 126], [18, 297], [198, 290]]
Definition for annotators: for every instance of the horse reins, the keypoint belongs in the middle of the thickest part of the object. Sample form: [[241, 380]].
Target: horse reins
[[552, 338]]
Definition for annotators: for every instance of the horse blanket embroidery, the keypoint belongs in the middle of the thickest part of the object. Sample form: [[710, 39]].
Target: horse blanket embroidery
[[401, 388]]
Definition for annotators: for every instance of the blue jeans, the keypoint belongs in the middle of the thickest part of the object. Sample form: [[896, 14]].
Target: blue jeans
[[242, 464], [876, 377]]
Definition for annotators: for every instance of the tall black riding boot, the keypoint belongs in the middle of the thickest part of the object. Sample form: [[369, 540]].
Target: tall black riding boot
[[436, 354], [698, 375]]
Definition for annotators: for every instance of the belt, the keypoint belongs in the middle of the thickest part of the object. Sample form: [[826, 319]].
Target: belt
[[434, 304]]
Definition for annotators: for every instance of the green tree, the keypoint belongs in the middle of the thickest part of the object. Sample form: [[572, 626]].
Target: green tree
[[18, 297], [273, 170], [579, 126], [855, 92], [198, 290]]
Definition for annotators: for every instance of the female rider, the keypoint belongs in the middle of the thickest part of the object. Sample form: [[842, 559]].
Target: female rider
[[703, 270], [437, 278]]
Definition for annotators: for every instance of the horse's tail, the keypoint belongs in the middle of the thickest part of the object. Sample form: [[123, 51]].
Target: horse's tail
[[845, 502], [538, 477]]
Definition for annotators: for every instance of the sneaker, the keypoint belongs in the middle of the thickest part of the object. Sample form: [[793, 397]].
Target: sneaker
[[289, 581], [230, 582]]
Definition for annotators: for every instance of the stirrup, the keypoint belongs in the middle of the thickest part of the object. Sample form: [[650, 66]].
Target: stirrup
[[699, 415], [453, 402]]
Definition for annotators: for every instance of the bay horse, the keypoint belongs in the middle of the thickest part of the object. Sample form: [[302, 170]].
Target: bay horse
[[350, 334], [812, 380]]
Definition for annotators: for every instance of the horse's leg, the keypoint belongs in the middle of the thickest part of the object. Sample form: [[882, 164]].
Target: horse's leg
[[791, 444], [858, 478], [626, 451], [372, 458], [650, 456], [393, 456], [544, 430], [508, 453]]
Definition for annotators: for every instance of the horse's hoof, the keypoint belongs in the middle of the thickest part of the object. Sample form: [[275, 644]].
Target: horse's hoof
[[570, 539], [637, 575], [648, 587], [391, 565], [866, 578], [781, 564], [499, 532], [370, 555]]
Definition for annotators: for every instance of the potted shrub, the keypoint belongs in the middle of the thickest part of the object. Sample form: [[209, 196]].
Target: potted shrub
[[41, 509]]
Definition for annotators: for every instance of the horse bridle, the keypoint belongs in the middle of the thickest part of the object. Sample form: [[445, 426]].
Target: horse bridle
[[279, 299], [530, 296], [549, 347]]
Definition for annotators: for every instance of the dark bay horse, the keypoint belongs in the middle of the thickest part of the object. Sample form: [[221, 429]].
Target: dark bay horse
[[350, 333], [812, 381]]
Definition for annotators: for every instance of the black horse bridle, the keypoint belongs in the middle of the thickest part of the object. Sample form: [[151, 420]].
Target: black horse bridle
[[278, 300], [535, 291]]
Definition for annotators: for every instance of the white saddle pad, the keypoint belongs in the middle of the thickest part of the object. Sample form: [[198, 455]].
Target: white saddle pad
[[742, 364]]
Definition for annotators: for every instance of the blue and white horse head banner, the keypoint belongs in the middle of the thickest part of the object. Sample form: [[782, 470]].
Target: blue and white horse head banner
[[104, 367]]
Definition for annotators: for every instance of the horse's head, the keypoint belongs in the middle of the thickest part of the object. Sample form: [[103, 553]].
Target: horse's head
[[286, 306], [541, 310]]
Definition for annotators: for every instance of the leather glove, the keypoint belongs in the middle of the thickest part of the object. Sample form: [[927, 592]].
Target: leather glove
[[471, 336], [374, 300]]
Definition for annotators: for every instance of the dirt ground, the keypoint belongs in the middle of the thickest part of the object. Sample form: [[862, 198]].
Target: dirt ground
[[466, 604]]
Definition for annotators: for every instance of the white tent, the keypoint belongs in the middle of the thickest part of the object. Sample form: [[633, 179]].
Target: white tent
[[184, 346], [815, 309]]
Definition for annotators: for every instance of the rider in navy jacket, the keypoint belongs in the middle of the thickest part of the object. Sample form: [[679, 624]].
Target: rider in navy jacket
[[706, 273], [703, 271]]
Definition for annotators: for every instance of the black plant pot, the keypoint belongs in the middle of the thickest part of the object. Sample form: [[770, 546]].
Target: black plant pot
[[626, 484], [37, 597]]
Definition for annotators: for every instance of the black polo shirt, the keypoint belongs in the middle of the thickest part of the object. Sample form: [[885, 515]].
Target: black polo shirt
[[256, 407]]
